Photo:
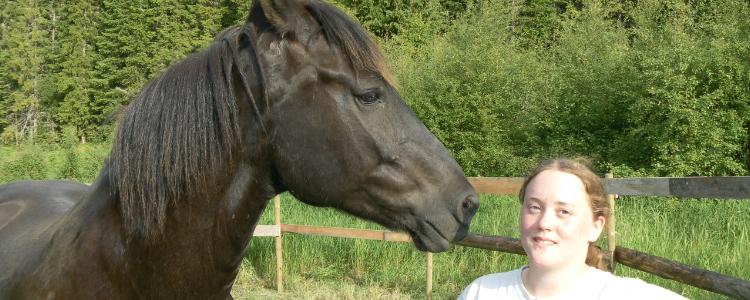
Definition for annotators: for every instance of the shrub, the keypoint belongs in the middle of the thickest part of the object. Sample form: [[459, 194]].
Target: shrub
[[627, 85], [28, 162]]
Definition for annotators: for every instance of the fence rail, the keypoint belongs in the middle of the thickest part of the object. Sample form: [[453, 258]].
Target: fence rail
[[737, 187], [366, 234], [688, 187]]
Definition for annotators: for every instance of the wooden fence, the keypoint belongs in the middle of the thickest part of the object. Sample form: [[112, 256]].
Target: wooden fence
[[687, 187]]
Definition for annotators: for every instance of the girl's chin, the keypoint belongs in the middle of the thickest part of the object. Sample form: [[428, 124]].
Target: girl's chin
[[545, 258], [543, 261]]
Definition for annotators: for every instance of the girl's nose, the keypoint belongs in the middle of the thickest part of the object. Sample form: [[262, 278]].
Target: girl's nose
[[546, 220]]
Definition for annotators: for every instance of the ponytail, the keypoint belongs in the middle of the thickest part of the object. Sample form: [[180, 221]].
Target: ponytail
[[598, 258]]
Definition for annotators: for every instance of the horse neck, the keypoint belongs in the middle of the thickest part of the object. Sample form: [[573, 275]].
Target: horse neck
[[198, 254], [203, 242]]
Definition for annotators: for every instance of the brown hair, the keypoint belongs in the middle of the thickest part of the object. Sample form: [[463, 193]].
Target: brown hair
[[580, 168], [593, 185]]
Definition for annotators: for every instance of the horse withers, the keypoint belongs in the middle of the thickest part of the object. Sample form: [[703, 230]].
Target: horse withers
[[298, 99]]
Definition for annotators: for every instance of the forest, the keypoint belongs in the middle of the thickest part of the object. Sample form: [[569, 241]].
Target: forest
[[641, 87]]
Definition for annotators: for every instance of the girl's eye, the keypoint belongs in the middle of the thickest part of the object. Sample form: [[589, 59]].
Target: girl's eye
[[564, 212], [534, 208]]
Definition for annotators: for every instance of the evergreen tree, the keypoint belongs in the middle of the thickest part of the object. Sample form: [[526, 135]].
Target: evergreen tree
[[419, 19], [139, 40], [75, 57], [4, 57], [24, 44]]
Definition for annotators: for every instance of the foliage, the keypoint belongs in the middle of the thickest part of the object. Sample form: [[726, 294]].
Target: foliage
[[138, 41], [74, 60], [696, 94], [23, 45], [419, 19], [627, 85], [644, 87], [26, 163], [80, 162], [76, 63]]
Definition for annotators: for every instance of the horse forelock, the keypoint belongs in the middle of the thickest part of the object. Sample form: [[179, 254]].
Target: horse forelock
[[343, 32], [175, 138]]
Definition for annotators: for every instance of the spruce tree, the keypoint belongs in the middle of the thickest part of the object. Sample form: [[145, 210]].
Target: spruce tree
[[75, 57], [138, 40], [23, 46]]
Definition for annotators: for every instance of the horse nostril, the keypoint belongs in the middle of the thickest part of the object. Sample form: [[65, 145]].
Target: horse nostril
[[470, 204]]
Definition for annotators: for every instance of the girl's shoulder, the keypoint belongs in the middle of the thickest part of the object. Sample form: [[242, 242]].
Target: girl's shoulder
[[506, 285], [496, 280], [633, 288]]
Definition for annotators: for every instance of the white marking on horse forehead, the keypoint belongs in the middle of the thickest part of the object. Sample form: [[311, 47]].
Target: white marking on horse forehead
[[274, 48]]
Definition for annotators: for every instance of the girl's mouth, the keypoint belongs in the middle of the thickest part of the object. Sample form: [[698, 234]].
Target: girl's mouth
[[542, 241]]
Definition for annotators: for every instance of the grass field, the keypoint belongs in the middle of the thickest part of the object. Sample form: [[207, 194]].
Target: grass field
[[78, 162], [711, 234]]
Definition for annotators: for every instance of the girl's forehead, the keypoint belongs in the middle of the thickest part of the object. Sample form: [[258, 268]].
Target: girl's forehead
[[553, 186]]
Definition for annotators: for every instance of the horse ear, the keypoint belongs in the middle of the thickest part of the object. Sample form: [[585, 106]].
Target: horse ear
[[287, 16], [273, 15]]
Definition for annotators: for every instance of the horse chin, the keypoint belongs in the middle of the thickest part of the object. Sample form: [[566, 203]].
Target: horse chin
[[429, 245], [429, 239]]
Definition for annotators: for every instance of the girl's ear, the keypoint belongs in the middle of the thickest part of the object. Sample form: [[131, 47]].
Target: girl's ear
[[596, 231]]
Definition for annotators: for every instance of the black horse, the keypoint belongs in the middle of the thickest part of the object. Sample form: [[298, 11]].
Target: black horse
[[298, 99]]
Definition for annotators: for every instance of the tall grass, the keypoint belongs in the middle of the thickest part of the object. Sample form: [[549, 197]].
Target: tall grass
[[711, 234], [79, 162]]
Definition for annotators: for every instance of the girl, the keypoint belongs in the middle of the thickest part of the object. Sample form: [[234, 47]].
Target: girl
[[562, 213]]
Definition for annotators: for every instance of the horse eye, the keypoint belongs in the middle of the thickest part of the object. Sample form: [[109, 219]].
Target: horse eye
[[369, 97]]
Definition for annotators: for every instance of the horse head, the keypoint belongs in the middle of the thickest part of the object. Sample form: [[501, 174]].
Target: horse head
[[339, 132]]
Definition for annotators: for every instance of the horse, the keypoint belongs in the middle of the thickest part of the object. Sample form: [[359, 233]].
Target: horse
[[297, 99]]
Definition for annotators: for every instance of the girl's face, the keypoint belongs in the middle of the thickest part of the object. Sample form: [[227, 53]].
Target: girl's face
[[557, 223]]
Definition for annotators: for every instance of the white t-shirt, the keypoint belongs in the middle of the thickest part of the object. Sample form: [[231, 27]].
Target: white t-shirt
[[595, 284]]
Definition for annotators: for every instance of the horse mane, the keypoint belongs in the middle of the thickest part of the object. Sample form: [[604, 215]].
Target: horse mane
[[341, 31], [182, 130], [176, 135]]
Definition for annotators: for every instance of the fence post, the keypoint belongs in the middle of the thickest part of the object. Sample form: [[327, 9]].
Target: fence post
[[610, 224], [429, 275], [277, 242]]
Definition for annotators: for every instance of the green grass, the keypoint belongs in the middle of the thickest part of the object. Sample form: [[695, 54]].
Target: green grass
[[710, 234], [250, 286], [78, 162]]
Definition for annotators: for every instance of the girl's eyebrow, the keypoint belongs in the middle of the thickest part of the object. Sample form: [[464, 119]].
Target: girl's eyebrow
[[533, 199], [556, 203], [536, 199], [570, 205]]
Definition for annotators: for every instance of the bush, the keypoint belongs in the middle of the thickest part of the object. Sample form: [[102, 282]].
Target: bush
[[628, 85], [27, 162], [83, 162], [76, 162]]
